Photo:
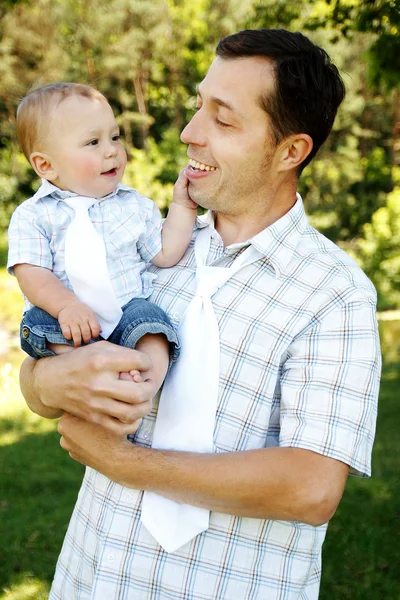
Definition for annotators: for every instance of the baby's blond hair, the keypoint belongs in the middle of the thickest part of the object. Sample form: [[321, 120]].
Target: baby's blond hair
[[35, 109]]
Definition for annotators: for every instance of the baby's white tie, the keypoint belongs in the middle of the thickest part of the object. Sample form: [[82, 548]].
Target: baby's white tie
[[188, 403], [86, 266]]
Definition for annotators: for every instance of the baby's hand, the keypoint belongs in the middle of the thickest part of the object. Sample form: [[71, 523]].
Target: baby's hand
[[181, 194], [78, 322]]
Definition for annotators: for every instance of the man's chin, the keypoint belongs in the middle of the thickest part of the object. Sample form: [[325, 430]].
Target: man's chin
[[202, 199]]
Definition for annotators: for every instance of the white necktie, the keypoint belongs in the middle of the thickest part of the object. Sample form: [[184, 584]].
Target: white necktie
[[86, 266], [188, 403]]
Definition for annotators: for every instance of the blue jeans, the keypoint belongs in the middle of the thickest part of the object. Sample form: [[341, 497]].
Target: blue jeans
[[139, 317]]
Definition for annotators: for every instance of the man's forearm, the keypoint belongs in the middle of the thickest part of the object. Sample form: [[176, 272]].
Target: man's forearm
[[274, 483], [32, 393]]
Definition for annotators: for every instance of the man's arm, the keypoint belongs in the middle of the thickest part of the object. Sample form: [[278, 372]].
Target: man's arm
[[272, 483], [86, 384], [30, 389]]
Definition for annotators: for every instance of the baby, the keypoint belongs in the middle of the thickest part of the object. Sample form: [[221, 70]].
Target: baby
[[69, 134]]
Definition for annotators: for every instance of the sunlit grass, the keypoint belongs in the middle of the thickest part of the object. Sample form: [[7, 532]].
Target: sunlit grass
[[29, 588], [16, 420], [10, 302], [38, 480]]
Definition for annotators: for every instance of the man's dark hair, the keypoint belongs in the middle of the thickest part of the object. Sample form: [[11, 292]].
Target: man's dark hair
[[308, 86]]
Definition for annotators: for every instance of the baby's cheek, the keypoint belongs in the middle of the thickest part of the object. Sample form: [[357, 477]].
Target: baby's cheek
[[87, 167]]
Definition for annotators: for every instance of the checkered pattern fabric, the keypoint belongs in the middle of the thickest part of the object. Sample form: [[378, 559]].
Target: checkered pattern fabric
[[300, 365], [129, 223]]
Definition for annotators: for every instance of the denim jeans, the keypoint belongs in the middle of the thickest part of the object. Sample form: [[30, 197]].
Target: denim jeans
[[139, 317]]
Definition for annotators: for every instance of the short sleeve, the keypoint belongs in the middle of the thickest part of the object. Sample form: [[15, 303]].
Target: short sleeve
[[330, 384], [149, 243], [27, 240]]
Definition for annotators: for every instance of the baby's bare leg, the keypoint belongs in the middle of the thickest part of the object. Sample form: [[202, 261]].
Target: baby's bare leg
[[59, 348]]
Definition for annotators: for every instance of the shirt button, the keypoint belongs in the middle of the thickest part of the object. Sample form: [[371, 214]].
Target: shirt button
[[110, 557], [128, 497], [25, 333], [146, 434], [176, 315]]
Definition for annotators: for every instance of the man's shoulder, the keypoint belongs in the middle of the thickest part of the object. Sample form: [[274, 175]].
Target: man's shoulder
[[333, 265]]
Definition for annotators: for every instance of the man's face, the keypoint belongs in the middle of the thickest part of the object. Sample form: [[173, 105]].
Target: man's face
[[85, 148], [231, 147]]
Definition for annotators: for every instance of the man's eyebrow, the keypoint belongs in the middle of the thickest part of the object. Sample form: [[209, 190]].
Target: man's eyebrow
[[222, 103]]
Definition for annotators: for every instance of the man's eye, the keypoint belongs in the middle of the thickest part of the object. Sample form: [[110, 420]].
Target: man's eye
[[116, 137], [93, 142], [221, 123]]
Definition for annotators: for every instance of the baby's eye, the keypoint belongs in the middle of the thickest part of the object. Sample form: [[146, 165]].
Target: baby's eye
[[93, 142]]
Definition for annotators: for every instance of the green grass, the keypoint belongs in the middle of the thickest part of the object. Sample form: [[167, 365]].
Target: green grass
[[38, 486], [39, 483], [38, 480], [361, 556]]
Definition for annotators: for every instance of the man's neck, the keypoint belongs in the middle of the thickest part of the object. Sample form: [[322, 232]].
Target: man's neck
[[235, 229]]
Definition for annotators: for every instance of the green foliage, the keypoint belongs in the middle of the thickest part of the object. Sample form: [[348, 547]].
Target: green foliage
[[147, 57], [142, 173], [378, 251], [17, 181]]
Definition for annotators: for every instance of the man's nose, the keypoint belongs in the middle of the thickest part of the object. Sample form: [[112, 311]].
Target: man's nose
[[194, 132]]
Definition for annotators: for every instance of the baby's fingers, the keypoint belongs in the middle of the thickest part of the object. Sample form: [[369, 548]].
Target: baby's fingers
[[76, 334], [66, 331], [182, 181], [94, 327], [85, 331]]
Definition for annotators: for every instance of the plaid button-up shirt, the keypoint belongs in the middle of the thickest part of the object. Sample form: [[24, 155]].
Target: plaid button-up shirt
[[300, 365], [128, 223]]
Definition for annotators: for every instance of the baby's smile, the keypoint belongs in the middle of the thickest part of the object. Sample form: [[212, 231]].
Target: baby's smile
[[111, 172]]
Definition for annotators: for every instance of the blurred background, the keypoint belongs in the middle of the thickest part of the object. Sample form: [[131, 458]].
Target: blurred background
[[146, 57]]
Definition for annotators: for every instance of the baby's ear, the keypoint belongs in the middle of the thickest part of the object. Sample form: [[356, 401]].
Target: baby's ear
[[43, 165]]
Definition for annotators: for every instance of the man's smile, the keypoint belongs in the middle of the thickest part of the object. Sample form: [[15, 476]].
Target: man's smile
[[201, 166]]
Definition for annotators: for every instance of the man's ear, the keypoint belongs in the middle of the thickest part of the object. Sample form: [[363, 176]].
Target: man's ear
[[43, 165], [295, 150]]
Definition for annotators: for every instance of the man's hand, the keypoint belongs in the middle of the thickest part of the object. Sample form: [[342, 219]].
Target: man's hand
[[94, 446], [86, 384], [78, 322]]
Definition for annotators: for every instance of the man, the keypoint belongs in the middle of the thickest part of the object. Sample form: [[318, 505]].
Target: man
[[299, 362]]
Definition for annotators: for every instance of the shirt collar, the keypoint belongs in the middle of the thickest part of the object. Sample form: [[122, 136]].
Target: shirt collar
[[276, 242], [48, 189]]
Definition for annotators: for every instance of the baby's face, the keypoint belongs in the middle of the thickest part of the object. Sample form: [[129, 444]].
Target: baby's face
[[85, 148]]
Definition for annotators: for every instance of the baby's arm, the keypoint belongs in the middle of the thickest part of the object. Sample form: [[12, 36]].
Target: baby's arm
[[178, 226], [44, 290]]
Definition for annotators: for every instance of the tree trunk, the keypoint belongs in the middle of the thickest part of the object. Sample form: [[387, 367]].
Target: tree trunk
[[141, 102]]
